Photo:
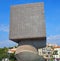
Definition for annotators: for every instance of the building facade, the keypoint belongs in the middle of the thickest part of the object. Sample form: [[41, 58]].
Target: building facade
[[56, 53]]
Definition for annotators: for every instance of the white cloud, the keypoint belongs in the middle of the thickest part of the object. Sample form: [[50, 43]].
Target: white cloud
[[54, 39], [7, 43], [4, 28]]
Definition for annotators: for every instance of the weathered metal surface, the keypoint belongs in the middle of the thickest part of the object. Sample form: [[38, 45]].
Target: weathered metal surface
[[27, 21], [38, 43], [27, 27]]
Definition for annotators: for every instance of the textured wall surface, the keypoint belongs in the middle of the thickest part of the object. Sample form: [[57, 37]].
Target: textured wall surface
[[27, 21]]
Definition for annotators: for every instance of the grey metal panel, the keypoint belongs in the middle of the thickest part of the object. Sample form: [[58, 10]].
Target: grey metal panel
[[36, 43], [27, 21]]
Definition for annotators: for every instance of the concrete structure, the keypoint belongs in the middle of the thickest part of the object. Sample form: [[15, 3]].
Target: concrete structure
[[27, 21], [27, 28]]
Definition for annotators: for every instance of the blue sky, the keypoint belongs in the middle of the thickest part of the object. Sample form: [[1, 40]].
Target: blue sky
[[52, 19]]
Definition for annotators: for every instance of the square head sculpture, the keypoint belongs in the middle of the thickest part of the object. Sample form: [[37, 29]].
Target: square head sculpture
[[27, 22]]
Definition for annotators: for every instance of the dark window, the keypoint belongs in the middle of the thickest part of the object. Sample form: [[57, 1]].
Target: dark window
[[55, 52]]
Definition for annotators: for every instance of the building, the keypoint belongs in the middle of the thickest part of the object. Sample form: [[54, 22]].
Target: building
[[27, 28], [27, 24], [46, 52], [56, 53], [13, 50]]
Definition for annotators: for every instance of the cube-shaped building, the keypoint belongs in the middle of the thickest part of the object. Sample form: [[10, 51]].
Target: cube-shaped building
[[27, 25]]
